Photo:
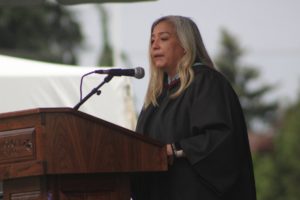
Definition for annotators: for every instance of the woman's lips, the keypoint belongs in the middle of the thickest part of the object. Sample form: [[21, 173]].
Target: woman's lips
[[158, 56]]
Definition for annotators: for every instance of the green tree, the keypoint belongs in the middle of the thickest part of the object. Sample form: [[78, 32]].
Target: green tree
[[48, 33], [287, 160], [241, 76], [265, 171], [277, 174], [107, 56]]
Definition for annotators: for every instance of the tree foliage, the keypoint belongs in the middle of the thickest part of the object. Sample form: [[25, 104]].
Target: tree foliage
[[241, 76], [287, 155], [107, 56], [108, 52], [47, 33], [277, 174], [264, 170]]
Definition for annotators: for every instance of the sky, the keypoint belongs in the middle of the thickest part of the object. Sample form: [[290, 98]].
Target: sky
[[268, 31]]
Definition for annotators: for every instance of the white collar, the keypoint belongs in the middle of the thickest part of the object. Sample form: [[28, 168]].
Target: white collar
[[170, 80], [198, 64]]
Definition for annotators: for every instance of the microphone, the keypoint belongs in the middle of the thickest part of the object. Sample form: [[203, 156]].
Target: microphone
[[137, 72]]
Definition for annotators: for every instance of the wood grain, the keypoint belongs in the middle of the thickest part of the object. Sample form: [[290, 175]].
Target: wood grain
[[59, 153]]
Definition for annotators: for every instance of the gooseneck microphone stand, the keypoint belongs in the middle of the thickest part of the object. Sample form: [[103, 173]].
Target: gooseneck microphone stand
[[94, 91]]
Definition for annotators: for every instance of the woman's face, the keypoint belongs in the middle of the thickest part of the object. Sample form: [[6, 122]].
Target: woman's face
[[165, 50]]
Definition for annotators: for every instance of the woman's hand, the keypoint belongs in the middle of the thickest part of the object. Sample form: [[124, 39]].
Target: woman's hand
[[170, 154]]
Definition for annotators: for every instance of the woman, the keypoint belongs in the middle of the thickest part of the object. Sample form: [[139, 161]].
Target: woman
[[192, 108]]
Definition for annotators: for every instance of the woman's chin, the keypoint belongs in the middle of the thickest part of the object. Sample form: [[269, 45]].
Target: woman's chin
[[160, 66]]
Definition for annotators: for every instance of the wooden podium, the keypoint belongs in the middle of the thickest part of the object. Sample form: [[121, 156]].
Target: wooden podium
[[63, 154]]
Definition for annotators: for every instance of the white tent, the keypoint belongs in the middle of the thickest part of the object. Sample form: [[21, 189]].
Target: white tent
[[26, 84]]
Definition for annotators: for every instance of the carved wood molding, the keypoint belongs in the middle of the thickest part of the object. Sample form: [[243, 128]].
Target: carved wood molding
[[17, 145]]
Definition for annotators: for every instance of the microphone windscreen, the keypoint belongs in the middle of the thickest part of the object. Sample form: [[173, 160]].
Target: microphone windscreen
[[139, 72]]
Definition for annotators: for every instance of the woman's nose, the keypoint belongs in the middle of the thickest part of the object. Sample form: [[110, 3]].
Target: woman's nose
[[155, 44]]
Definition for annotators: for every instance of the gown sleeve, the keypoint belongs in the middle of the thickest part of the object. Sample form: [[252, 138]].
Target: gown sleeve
[[214, 149]]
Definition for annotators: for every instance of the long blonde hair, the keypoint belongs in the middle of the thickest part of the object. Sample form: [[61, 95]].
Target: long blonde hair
[[191, 41]]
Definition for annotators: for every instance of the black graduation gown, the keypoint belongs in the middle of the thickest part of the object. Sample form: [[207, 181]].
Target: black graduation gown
[[208, 122]]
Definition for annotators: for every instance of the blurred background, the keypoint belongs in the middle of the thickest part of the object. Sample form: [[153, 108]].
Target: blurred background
[[254, 43]]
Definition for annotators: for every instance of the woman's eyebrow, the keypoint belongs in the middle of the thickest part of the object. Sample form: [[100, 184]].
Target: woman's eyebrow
[[160, 33]]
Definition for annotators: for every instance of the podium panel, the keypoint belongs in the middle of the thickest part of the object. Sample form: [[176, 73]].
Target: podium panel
[[68, 187]]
